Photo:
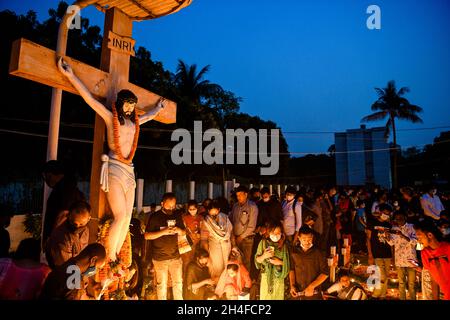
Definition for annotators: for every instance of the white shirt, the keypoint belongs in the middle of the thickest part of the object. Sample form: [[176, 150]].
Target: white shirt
[[337, 287], [432, 206], [291, 222]]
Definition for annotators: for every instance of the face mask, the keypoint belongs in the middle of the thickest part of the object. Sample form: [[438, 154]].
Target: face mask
[[275, 238], [433, 192], [90, 271], [384, 217], [306, 247], [300, 203], [168, 211], [202, 265], [76, 230], [445, 231]]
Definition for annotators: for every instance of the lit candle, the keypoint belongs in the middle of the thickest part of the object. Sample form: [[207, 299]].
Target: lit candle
[[333, 250], [346, 242], [330, 262]]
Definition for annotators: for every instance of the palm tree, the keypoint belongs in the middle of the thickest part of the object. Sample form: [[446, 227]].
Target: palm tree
[[192, 91], [392, 105], [190, 85]]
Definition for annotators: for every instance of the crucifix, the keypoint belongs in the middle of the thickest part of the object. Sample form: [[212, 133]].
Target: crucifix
[[137, 105]]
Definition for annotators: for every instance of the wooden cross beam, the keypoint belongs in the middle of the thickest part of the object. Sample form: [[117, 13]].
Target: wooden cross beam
[[37, 63], [26, 55]]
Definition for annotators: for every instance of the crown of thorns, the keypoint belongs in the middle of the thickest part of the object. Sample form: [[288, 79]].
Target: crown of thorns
[[126, 96]]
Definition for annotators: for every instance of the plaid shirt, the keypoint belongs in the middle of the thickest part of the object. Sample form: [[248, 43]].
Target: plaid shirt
[[404, 250]]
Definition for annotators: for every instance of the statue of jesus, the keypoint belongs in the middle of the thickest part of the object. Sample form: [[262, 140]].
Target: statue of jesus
[[117, 176]]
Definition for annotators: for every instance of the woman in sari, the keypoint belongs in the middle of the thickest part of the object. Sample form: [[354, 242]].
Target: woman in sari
[[272, 258], [217, 238]]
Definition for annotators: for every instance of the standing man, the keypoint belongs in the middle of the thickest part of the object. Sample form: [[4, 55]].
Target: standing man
[[292, 216], [163, 230], [431, 204], [309, 268], [117, 178], [327, 222], [64, 193], [410, 204], [244, 216], [379, 251], [71, 237]]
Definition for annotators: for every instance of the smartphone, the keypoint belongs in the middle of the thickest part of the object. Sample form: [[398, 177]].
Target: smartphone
[[413, 262], [171, 223]]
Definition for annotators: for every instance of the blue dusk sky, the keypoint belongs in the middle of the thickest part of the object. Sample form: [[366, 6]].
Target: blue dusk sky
[[310, 66]]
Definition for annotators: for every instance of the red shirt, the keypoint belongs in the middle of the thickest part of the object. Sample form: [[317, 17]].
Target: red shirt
[[438, 263]]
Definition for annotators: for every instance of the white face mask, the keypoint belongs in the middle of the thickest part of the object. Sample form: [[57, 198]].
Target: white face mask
[[384, 217], [300, 203], [193, 212], [306, 247], [445, 231], [275, 238]]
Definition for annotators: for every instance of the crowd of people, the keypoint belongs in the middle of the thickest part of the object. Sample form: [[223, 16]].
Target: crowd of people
[[256, 245]]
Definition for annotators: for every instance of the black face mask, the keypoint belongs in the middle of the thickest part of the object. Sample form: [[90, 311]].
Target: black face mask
[[74, 229], [168, 212]]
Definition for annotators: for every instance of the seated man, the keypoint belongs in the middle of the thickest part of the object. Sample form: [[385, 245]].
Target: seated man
[[346, 289], [198, 279], [56, 286], [71, 237]]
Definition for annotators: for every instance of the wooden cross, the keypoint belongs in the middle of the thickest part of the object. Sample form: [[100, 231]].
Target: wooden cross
[[37, 63]]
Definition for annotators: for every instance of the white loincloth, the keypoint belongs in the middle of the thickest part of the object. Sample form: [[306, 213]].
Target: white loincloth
[[121, 172]]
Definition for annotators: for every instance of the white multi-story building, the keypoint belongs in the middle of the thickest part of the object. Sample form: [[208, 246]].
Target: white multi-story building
[[363, 157]]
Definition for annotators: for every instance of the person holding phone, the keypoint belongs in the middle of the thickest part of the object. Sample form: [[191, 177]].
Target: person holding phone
[[163, 229], [309, 268], [272, 258], [404, 240]]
